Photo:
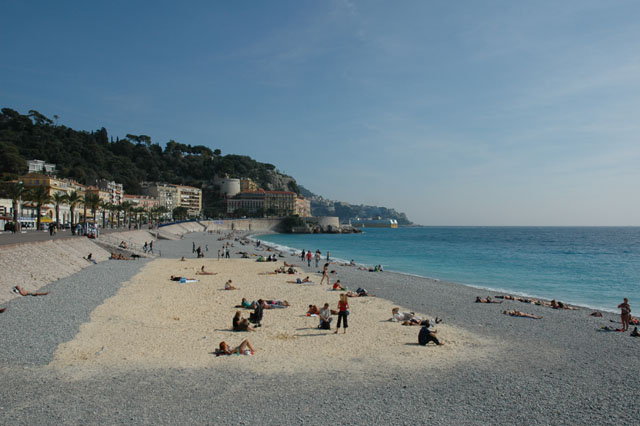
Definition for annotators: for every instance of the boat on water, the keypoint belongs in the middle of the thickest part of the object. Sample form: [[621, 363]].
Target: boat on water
[[373, 223]]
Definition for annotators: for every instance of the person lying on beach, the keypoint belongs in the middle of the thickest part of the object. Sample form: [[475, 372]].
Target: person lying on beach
[[203, 272], [273, 304], [516, 313], [560, 305], [634, 333], [183, 259], [90, 258], [301, 281], [338, 287], [245, 304], [360, 292], [487, 300], [123, 245], [241, 324], [244, 348], [596, 314], [398, 316], [313, 310], [178, 278], [19, 290], [228, 286]]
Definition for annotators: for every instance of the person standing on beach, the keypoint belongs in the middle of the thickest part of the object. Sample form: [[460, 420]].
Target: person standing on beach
[[193, 248], [328, 253], [218, 254], [151, 247], [302, 255], [343, 313], [625, 312], [325, 274], [317, 258], [309, 258]]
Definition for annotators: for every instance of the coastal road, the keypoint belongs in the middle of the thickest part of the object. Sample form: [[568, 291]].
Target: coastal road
[[8, 238]]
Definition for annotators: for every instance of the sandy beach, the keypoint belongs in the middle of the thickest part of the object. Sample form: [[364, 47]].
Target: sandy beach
[[120, 343]]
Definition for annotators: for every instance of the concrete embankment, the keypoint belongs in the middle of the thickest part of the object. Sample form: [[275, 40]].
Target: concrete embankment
[[36, 264]]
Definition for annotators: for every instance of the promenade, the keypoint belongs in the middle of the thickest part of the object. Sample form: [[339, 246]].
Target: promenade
[[8, 238]]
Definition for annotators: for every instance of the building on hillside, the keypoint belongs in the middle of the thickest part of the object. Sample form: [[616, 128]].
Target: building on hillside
[[272, 203], [36, 166], [248, 185], [190, 198], [227, 187], [172, 196], [115, 190], [303, 207], [246, 203], [145, 201], [54, 185], [104, 196]]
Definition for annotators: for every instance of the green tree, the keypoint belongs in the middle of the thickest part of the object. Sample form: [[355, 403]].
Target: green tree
[[126, 209], [180, 213], [104, 206], [58, 199], [91, 202], [40, 197]]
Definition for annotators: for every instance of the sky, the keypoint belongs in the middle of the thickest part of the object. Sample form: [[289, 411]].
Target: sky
[[456, 113]]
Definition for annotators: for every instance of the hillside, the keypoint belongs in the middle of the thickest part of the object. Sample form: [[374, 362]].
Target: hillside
[[87, 156], [345, 211]]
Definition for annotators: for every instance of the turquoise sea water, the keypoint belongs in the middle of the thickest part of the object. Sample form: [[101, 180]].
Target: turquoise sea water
[[595, 266]]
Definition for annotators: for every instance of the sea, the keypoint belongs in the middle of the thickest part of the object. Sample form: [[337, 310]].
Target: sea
[[595, 267]]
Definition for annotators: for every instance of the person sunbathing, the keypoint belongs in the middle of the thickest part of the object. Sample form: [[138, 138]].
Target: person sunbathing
[[338, 287], [560, 305], [19, 290], [179, 278], [301, 281], [516, 313], [90, 258], [203, 272], [245, 304], [273, 304], [360, 292], [313, 310], [487, 300], [4, 309], [241, 324], [244, 348], [400, 316], [228, 286]]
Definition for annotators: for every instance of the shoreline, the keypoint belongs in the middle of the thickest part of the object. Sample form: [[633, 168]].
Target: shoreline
[[288, 249]]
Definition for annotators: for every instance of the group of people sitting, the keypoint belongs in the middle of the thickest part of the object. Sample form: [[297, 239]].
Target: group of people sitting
[[118, 256], [270, 258], [281, 270], [426, 334]]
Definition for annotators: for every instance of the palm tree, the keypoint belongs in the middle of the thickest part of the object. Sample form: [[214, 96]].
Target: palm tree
[[73, 199], [59, 198], [15, 191], [91, 202], [40, 196], [126, 208], [104, 205]]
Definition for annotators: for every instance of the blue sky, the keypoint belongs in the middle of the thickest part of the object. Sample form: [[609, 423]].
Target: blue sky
[[457, 113]]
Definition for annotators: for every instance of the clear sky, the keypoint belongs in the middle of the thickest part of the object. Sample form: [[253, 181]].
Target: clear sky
[[457, 113]]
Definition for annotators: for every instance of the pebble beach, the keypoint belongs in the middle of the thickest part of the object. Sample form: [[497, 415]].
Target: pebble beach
[[119, 343]]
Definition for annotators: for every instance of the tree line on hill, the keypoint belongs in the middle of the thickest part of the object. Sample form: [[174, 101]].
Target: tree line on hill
[[87, 156]]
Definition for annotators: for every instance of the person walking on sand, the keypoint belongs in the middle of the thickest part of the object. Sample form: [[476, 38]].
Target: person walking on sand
[[625, 312], [343, 313], [328, 255], [325, 274], [309, 258], [193, 248], [151, 247], [218, 254]]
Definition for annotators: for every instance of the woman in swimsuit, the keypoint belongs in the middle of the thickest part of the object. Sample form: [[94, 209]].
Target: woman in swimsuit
[[325, 274], [625, 311], [244, 348], [516, 313]]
